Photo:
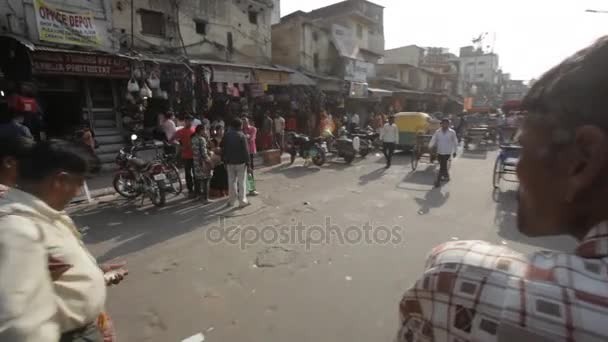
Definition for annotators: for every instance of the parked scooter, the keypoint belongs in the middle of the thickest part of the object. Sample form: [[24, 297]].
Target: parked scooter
[[300, 144], [137, 177]]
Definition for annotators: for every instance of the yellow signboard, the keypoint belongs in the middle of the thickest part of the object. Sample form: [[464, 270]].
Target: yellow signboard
[[58, 26]]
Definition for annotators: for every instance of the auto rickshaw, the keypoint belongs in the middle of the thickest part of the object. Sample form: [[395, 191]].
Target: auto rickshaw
[[411, 124]]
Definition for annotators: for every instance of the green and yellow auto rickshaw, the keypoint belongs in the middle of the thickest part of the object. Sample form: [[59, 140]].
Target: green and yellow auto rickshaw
[[411, 124]]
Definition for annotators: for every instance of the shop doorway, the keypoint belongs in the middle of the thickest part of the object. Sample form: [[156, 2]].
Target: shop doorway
[[62, 112]]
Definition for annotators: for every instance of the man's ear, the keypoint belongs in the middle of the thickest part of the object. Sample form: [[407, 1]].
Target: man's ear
[[587, 159]]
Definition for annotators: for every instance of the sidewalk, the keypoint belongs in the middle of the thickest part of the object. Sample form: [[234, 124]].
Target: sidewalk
[[101, 185]]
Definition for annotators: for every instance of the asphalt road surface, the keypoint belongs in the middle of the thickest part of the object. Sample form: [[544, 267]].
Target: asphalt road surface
[[323, 254]]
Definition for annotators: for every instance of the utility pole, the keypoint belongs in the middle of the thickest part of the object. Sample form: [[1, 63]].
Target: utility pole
[[132, 23]]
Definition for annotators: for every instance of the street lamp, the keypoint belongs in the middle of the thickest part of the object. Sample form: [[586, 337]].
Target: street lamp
[[596, 11]]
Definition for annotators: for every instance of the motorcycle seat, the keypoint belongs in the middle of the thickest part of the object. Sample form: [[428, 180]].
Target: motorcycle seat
[[139, 164]]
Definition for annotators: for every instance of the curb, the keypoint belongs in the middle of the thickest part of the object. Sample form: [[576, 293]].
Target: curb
[[107, 191]]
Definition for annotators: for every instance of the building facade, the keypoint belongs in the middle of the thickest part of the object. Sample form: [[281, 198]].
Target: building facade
[[411, 54], [338, 45], [234, 31]]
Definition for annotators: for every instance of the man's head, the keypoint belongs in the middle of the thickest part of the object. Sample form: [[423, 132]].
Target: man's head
[[445, 124], [391, 119], [188, 121], [563, 166], [245, 122], [55, 171], [236, 124], [12, 149]]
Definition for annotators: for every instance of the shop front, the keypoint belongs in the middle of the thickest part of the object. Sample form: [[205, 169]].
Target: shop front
[[75, 87]]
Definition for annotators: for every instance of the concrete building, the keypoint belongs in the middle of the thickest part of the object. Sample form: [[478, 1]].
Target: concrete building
[[514, 90], [343, 40], [411, 54], [477, 68], [236, 31]]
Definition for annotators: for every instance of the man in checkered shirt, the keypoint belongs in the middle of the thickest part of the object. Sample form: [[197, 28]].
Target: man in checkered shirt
[[474, 291]]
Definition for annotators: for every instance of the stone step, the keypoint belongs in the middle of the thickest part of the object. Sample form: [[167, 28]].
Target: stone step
[[100, 132], [105, 124], [107, 157], [109, 148], [110, 139]]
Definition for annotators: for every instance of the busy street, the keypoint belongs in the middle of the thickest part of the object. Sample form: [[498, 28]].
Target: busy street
[[303, 171], [183, 281]]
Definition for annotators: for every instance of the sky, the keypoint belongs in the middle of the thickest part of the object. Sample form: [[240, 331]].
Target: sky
[[531, 36]]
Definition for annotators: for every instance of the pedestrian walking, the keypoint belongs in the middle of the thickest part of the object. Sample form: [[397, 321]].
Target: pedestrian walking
[[167, 125], [236, 158], [52, 287], [389, 135], [493, 293], [251, 132], [203, 169], [184, 136], [279, 131], [446, 142]]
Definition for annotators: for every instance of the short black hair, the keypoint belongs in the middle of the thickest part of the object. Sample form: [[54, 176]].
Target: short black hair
[[49, 157], [574, 92], [15, 147], [236, 123]]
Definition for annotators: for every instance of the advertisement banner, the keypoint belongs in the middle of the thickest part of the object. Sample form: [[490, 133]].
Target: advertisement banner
[[56, 63], [65, 28]]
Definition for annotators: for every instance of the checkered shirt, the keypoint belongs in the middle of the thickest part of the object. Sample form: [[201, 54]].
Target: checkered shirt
[[475, 291]]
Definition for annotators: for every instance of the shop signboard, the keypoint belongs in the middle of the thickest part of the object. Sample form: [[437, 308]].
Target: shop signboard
[[76, 64], [358, 71], [57, 26], [221, 75], [358, 90]]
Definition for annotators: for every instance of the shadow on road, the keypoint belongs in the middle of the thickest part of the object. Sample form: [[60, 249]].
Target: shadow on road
[[506, 221], [133, 227], [294, 171], [433, 199], [421, 176], [372, 176]]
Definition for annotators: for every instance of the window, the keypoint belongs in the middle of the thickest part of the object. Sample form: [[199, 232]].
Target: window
[[481, 63], [152, 23], [480, 75], [253, 17], [316, 60], [360, 31], [315, 36], [201, 26]]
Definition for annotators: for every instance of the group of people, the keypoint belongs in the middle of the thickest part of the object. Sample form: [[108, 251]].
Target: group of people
[[217, 160], [444, 142], [51, 287]]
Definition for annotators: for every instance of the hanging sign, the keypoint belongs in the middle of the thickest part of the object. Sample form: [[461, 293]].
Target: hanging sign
[[57, 26], [57, 63]]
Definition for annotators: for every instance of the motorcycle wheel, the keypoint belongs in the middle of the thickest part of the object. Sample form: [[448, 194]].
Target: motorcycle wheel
[[124, 185], [364, 152], [349, 158], [158, 195], [293, 157], [319, 158]]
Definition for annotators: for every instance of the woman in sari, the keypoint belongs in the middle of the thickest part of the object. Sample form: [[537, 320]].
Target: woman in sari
[[219, 180]]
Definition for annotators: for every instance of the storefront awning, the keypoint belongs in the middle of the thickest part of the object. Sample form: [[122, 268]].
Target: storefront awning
[[377, 92]]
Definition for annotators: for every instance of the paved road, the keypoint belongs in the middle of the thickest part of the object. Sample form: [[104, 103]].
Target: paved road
[[296, 288]]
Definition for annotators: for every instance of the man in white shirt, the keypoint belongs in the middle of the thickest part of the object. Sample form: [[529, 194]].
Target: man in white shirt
[[37, 236], [446, 141], [279, 130], [389, 135], [167, 125]]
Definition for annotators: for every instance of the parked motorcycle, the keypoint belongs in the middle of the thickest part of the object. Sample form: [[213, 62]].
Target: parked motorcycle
[[369, 140], [137, 177], [303, 145]]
